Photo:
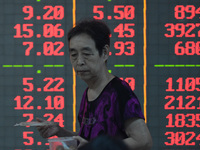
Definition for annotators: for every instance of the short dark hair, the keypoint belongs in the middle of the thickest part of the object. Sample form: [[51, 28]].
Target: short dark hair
[[96, 29]]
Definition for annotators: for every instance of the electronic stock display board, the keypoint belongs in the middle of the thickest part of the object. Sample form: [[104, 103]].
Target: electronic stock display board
[[155, 47]]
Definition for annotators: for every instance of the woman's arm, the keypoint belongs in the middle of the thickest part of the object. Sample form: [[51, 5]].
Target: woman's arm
[[54, 129], [63, 132], [139, 137]]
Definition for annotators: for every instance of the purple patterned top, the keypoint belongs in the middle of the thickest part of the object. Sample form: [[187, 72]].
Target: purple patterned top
[[108, 112]]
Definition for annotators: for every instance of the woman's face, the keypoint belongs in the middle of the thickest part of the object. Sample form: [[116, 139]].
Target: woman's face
[[85, 58]]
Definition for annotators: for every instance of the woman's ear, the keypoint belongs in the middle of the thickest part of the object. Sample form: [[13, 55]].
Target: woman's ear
[[106, 51]]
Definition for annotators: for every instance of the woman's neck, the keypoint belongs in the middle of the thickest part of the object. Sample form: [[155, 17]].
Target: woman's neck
[[97, 87]]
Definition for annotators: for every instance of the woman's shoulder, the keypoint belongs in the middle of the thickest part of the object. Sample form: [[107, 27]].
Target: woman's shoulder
[[120, 84]]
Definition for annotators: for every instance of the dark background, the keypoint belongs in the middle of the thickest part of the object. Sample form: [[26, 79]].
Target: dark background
[[160, 51]]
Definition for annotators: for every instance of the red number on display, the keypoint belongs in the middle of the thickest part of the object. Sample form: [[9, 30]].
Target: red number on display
[[192, 120], [190, 48], [190, 9], [49, 31], [25, 106], [171, 137], [28, 10], [50, 49], [198, 11], [131, 47], [167, 105], [180, 100], [191, 28], [56, 88], [180, 11], [180, 138], [198, 119], [99, 12], [180, 85], [191, 84], [121, 46], [30, 47], [30, 117], [188, 141], [170, 29], [179, 120], [27, 83], [180, 27], [58, 13], [24, 28], [170, 87], [127, 12], [120, 12], [170, 121], [121, 28], [58, 119], [124, 12], [27, 137], [197, 83], [199, 103], [58, 102], [198, 25], [187, 106]]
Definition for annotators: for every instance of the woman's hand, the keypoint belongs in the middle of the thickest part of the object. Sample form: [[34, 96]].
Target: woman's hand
[[48, 130], [81, 140]]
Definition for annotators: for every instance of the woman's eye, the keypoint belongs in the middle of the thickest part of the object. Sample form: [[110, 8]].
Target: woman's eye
[[73, 55], [87, 54]]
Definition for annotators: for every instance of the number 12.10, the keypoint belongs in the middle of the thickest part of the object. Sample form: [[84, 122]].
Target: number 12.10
[[24, 103]]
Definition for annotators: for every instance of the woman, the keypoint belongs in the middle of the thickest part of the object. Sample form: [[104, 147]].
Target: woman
[[108, 105]]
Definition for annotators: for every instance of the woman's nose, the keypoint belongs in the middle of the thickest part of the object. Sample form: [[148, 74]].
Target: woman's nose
[[80, 60]]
